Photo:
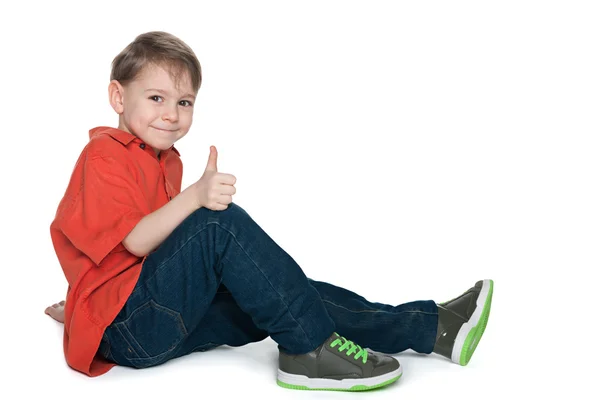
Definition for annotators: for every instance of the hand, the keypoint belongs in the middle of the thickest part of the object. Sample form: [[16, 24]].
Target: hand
[[214, 189]]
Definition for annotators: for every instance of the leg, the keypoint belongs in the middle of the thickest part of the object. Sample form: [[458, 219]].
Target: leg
[[180, 280], [224, 323], [381, 327], [384, 328], [407, 326], [452, 329]]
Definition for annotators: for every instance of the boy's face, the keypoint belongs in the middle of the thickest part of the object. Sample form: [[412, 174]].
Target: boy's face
[[152, 108]]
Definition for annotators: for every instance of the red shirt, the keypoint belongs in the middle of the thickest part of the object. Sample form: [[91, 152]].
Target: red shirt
[[117, 180]]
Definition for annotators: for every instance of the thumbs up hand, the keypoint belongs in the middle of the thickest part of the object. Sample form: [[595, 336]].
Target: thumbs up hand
[[214, 189]]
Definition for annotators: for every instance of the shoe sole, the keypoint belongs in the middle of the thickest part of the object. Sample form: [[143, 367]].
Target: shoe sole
[[301, 382], [470, 333]]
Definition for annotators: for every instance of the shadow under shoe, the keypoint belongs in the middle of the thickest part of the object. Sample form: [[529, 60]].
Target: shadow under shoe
[[462, 322], [337, 364]]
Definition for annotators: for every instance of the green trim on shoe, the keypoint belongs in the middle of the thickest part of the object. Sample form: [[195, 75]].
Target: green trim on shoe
[[476, 332], [345, 343], [356, 388]]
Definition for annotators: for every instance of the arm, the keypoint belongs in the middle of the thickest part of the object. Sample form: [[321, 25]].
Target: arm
[[154, 228], [213, 191]]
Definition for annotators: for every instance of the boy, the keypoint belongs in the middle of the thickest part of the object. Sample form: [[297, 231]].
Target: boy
[[156, 273]]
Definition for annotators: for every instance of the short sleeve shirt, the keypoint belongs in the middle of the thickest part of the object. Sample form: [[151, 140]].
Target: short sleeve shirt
[[117, 180]]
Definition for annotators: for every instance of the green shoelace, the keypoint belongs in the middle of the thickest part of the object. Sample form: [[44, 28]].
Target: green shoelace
[[345, 344]]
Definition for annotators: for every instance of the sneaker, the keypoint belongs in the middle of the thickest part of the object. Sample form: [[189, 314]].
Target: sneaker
[[337, 364], [462, 321]]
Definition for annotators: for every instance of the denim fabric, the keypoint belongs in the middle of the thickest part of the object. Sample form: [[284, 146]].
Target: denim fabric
[[219, 279]]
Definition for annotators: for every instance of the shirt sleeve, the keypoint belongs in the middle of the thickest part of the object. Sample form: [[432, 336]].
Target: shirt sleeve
[[108, 205]]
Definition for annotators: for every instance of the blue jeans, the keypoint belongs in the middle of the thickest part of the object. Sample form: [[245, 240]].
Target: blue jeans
[[219, 279]]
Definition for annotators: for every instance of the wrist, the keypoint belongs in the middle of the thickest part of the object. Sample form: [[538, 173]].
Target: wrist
[[192, 197]]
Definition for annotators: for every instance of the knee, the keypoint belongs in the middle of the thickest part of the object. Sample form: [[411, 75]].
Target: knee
[[231, 213], [233, 210]]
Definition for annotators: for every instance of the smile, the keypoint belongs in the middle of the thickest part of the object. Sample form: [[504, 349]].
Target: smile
[[164, 130]]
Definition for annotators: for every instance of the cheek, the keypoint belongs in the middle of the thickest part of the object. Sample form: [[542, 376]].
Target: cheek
[[188, 118], [142, 116]]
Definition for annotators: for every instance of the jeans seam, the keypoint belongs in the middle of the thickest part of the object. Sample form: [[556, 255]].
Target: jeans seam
[[108, 354], [136, 342], [129, 346], [124, 325], [379, 311], [158, 356], [208, 344], [266, 278], [161, 265]]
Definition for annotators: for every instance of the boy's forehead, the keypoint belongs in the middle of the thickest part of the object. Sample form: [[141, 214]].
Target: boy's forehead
[[157, 77]]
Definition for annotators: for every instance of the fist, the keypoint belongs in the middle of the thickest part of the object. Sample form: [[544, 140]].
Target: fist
[[215, 189]]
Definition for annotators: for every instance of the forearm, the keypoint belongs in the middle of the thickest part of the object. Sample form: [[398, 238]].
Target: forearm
[[154, 228]]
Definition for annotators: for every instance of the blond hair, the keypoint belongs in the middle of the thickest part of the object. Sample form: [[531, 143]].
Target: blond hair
[[160, 49]]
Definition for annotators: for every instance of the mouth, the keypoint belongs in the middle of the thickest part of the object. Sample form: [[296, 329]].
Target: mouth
[[165, 130]]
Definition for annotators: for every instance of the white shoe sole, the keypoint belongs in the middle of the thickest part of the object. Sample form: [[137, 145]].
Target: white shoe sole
[[292, 381]]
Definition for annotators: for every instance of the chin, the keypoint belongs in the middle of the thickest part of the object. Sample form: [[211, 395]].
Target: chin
[[162, 146]]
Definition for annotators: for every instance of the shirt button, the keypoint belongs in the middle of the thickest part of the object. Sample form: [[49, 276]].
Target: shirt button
[[142, 146]]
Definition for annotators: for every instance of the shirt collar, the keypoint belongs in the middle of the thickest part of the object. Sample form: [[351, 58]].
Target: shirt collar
[[121, 136]]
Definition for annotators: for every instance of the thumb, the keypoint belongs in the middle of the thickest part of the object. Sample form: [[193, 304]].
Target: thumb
[[212, 159]]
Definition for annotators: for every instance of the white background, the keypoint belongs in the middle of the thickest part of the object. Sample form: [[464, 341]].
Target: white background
[[402, 150]]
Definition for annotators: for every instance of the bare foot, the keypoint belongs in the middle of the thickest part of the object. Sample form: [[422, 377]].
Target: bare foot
[[57, 311]]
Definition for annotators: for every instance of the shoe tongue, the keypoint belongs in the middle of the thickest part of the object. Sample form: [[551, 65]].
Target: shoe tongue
[[334, 336]]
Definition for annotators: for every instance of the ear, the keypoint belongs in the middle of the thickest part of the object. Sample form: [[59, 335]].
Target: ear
[[115, 96]]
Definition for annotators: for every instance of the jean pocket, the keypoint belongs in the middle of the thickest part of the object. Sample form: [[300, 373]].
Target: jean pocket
[[152, 333]]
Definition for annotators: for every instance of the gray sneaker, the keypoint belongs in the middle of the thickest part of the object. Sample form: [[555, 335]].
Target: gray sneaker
[[337, 364], [462, 321]]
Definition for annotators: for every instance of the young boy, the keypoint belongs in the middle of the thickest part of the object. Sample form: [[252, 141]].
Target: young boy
[[156, 273]]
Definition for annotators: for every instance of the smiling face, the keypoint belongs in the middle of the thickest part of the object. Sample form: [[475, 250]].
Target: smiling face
[[153, 108]]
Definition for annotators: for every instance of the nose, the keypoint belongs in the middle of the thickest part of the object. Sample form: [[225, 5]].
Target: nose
[[170, 114]]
